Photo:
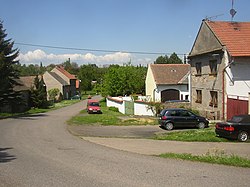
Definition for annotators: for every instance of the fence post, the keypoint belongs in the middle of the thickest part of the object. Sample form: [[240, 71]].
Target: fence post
[[249, 103]]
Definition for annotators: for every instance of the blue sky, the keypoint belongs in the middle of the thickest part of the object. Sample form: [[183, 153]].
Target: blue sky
[[165, 26]]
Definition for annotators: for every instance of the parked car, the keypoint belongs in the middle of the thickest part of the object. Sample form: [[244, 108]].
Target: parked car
[[236, 128], [93, 106], [76, 97], [177, 117]]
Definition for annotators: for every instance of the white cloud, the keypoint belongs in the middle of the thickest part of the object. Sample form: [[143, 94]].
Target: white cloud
[[38, 55]]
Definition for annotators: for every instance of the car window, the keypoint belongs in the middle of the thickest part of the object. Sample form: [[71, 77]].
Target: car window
[[172, 113], [185, 113], [94, 104], [236, 119]]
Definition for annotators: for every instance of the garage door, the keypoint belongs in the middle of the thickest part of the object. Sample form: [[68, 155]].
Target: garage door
[[170, 94]]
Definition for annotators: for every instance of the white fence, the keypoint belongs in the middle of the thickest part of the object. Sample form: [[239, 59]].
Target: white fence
[[141, 108]]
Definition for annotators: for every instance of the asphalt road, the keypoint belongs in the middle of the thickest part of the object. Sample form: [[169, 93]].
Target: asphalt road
[[39, 151]]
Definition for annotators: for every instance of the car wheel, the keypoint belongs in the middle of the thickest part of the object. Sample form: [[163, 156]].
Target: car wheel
[[169, 126], [201, 125], [242, 136]]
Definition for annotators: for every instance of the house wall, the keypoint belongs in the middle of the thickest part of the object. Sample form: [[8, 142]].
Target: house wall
[[249, 103], [207, 82], [150, 85], [51, 82], [184, 90], [238, 78]]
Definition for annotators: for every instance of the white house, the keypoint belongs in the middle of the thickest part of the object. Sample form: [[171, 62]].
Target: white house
[[166, 82]]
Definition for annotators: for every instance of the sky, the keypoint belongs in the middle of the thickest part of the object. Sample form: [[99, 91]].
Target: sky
[[109, 31]]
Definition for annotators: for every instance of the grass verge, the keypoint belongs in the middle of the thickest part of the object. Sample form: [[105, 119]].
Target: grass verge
[[194, 135], [230, 160], [109, 118], [61, 104]]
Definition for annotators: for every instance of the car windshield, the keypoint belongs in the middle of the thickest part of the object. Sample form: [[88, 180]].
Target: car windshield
[[236, 119], [94, 104]]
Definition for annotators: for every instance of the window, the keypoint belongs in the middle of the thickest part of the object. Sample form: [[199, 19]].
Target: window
[[213, 67], [214, 99], [198, 68], [198, 96]]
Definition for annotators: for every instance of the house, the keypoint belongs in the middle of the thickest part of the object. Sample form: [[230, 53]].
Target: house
[[220, 66], [59, 78], [166, 82], [24, 87]]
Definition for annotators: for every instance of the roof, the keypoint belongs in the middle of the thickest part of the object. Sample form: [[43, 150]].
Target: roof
[[169, 73], [25, 82], [63, 71], [234, 35], [58, 78]]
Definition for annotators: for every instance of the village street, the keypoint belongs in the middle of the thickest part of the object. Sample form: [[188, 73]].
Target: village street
[[39, 151]]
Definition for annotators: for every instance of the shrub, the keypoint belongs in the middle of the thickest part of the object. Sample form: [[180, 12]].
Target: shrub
[[112, 108]]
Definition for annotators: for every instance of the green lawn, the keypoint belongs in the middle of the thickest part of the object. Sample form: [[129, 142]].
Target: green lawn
[[193, 135], [61, 104], [231, 160], [109, 117]]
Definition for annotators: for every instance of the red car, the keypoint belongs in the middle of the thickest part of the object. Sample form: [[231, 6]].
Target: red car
[[93, 106], [236, 128]]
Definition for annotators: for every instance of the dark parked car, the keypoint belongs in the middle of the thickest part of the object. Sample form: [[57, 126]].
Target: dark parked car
[[177, 117], [236, 128]]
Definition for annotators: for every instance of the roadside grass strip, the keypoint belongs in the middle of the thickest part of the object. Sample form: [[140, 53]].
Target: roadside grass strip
[[194, 135], [230, 160]]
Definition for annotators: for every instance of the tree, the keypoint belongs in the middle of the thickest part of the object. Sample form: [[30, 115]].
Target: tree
[[124, 80], [8, 73], [39, 93], [173, 59], [53, 93]]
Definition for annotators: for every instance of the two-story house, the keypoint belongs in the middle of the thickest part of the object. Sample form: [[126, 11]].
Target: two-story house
[[220, 66]]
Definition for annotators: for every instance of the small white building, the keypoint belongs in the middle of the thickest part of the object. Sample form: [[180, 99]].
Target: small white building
[[166, 82]]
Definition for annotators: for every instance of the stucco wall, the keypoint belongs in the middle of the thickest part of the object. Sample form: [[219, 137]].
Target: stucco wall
[[238, 78], [51, 82], [150, 84], [142, 109], [207, 82], [64, 77]]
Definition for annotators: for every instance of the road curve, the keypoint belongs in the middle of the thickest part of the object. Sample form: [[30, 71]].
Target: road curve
[[39, 151]]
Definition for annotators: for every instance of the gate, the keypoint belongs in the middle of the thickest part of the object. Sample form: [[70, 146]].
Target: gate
[[170, 94], [129, 107], [236, 107]]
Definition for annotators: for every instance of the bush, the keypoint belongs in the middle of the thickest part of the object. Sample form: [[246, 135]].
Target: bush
[[114, 109]]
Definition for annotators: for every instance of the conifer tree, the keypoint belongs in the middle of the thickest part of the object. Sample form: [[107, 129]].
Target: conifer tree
[[8, 73], [39, 93]]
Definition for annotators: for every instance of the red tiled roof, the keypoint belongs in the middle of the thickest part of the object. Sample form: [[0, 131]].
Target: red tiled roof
[[63, 71], [169, 73], [234, 35]]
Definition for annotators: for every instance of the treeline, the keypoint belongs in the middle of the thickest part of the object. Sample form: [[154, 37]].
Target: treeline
[[114, 80]]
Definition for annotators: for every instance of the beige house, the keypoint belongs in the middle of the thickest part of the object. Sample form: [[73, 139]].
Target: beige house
[[220, 66], [167, 82], [59, 78]]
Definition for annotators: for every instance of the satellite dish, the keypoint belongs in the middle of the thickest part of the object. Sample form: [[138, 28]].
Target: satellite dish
[[232, 12]]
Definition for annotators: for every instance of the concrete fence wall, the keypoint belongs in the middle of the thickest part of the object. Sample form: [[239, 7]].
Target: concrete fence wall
[[140, 108]]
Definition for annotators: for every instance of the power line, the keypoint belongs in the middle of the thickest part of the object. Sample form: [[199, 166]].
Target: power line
[[95, 50]]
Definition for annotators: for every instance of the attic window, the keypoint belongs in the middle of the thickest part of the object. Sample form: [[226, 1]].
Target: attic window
[[213, 67], [198, 68], [173, 70]]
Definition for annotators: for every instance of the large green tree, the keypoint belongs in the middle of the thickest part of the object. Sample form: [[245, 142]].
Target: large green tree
[[8, 73], [124, 80], [173, 59], [39, 93]]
